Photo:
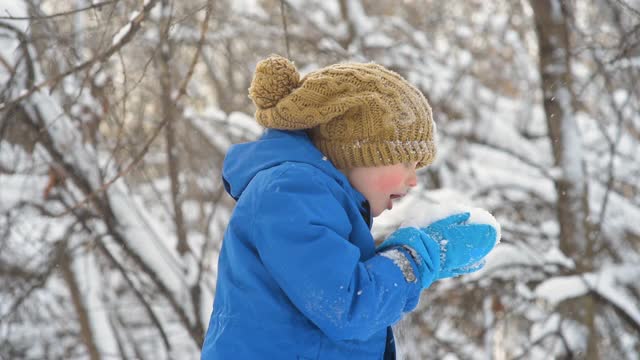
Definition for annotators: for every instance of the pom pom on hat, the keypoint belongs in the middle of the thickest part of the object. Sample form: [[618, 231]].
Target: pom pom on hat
[[275, 78]]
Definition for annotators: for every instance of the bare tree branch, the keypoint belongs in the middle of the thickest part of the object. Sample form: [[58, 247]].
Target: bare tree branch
[[93, 6], [133, 26]]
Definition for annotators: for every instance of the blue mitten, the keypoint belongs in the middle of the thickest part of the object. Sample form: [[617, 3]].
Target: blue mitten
[[446, 248], [424, 250], [462, 246]]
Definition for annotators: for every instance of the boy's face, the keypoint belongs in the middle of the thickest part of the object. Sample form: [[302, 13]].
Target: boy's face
[[381, 185]]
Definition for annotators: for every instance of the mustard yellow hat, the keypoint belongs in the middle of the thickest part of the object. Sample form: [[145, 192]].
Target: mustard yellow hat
[[357, 114]]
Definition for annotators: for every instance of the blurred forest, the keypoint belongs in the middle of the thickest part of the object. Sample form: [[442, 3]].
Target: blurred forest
[[115, 116]]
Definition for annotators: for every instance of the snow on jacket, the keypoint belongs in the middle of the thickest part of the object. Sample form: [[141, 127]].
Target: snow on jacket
[[298, 275]]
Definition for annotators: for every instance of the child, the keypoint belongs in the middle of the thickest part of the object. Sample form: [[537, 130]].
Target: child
[[299, 276]]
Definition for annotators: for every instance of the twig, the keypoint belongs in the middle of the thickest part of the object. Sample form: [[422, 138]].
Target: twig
[[284, 25], [64, 13], [134, 26], [205, 25], [122, 173], [628, 7]]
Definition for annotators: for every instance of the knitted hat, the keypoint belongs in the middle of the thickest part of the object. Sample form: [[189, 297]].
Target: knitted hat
[[356, 114]]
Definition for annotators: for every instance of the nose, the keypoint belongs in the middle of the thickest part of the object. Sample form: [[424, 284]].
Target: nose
[[412, 181]]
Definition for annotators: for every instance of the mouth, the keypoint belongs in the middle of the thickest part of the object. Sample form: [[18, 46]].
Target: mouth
[[392, 198]]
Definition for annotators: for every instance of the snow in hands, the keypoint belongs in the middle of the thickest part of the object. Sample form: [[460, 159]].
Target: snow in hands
[[465, 235]]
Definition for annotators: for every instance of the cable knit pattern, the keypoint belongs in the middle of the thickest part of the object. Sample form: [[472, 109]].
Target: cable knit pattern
[[357, 114]]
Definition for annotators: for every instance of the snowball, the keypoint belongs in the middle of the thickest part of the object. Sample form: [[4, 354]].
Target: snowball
[[422, 216]]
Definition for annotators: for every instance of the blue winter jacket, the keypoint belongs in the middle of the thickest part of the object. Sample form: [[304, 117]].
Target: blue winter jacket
[[298, 275]]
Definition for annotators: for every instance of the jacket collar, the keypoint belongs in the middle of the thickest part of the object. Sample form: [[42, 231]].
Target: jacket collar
[[244, 161]]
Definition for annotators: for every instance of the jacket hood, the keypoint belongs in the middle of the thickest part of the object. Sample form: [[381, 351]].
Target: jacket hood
[[244, 161]]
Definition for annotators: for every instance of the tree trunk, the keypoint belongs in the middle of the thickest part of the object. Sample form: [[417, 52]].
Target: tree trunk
[[77, 299], [169, 113], [551, 23]]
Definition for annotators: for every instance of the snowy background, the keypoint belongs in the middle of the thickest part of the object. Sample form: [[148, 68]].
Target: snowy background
[[115, 117]]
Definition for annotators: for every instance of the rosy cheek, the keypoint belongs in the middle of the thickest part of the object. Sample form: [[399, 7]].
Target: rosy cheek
[[388, 183]]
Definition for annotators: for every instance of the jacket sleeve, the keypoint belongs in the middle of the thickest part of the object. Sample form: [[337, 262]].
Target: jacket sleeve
[[301, 231]]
